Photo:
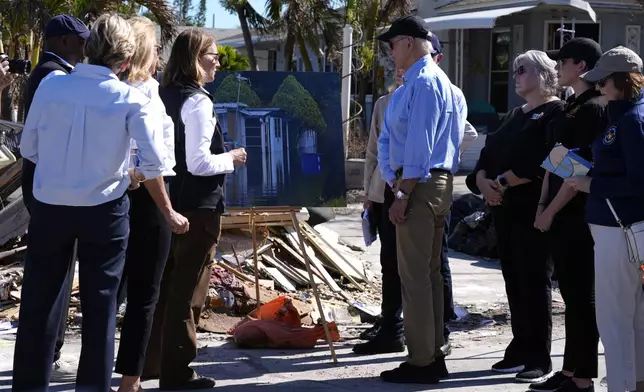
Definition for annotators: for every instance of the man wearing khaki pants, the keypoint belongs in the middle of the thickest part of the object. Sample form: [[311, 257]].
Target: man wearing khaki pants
[[417, 151]]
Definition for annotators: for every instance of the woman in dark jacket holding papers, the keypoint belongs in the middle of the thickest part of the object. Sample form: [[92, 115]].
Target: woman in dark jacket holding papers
[[509, 176], [618, 178]]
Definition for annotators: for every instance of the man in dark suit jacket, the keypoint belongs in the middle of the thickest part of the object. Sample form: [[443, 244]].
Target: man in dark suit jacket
[[65, 38]]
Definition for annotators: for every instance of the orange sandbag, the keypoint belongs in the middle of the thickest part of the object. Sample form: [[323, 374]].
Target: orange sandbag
[[280, 309], [275, 334]]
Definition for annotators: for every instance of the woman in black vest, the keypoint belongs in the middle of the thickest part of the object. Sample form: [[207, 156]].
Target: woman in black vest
[[197, 191]]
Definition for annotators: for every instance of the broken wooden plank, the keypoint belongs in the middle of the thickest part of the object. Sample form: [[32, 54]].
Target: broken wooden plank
[[328, 279], [316, 279], [277, 276], [12, 252], [345, 267], [233, 271], [285, 270], [297, 256], [333, 239]]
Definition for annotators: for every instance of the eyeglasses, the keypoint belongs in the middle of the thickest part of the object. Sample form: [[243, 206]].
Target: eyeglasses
[[214, 55], [391, 43], [521, 69], [602, 83]]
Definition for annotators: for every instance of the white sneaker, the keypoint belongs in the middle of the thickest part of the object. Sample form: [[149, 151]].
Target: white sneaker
[[63, 372]]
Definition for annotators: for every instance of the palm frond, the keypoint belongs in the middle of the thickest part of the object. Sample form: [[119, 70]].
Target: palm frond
[[393, 9], [164, 16]]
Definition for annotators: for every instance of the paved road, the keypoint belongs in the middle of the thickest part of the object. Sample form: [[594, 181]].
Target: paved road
[[477, 283]]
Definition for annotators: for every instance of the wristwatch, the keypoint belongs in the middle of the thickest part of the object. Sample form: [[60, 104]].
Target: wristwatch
[[400, 195], [503, 182], [138, 176]]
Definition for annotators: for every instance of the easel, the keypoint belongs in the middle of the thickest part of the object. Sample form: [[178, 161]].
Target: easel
[[253, 226]]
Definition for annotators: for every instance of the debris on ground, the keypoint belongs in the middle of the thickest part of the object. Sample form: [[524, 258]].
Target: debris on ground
[[347, 290], [471, 228]]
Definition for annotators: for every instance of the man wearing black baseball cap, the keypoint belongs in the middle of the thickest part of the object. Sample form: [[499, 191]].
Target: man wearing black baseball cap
[[417, 154], [561, 213], [65, 38]]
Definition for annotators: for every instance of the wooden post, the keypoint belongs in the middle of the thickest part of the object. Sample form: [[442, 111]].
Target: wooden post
[[327, 333], [253, 227]]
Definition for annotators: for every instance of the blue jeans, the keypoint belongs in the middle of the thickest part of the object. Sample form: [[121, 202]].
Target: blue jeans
[[448, 309]]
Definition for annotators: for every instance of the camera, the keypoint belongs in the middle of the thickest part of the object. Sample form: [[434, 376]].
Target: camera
[[17, 66]]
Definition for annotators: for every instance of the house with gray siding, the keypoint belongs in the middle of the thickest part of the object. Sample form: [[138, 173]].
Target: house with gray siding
[[480, 38]]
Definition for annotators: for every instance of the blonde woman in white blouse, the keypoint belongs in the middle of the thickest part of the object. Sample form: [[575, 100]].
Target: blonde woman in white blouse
[[152, 220]]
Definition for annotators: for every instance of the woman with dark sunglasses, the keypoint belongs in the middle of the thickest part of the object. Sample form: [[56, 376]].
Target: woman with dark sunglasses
[[615, 188], [509, 175]]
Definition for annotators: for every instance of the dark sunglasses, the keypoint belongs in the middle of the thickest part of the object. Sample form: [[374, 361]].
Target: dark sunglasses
[[520, 70], [391, 43], [602, 83]]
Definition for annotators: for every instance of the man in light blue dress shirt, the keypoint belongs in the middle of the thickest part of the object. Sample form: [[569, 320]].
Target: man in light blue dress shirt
[[418, 149]]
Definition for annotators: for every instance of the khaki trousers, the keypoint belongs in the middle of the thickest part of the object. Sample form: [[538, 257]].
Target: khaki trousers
[[419, 245]]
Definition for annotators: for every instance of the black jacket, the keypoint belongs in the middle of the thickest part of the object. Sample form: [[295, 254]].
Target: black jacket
[[187, 191]]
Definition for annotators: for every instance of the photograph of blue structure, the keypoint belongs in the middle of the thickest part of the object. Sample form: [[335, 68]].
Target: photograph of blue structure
[[290, 125]]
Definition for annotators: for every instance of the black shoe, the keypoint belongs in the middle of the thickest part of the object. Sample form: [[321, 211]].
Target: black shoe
[[409, 374], [372, 332], [446, 348], [570, 386], [196, 382], [533, 375], [380, 345], [506, 366], [550, 385], [440, 368]]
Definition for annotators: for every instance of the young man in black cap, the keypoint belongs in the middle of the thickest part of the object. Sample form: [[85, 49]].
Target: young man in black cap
[[65, 37], [561, 213]]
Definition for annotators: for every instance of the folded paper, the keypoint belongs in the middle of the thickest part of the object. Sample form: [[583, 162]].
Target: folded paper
[[565, 163]]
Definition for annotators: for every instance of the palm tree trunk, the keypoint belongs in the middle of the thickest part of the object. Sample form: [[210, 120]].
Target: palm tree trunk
[[35, 50], [308, 66], [289, 46], [248, 39]]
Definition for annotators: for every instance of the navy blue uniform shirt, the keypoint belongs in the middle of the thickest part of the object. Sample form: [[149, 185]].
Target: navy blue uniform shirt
[[618, 172]]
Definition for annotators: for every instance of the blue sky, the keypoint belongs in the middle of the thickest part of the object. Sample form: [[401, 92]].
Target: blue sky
[[222, 18]]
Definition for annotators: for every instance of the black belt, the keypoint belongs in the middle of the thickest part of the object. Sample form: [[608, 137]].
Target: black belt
[[399, 172]]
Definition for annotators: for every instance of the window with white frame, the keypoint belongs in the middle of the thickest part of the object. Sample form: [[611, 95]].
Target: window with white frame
[[555, 36], [500, 69]]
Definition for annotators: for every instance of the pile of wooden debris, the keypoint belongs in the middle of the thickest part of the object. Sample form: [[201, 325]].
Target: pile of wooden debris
[[338, 273], [345, 287]]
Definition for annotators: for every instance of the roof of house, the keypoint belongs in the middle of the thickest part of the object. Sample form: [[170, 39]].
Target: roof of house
[[470, 5]]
